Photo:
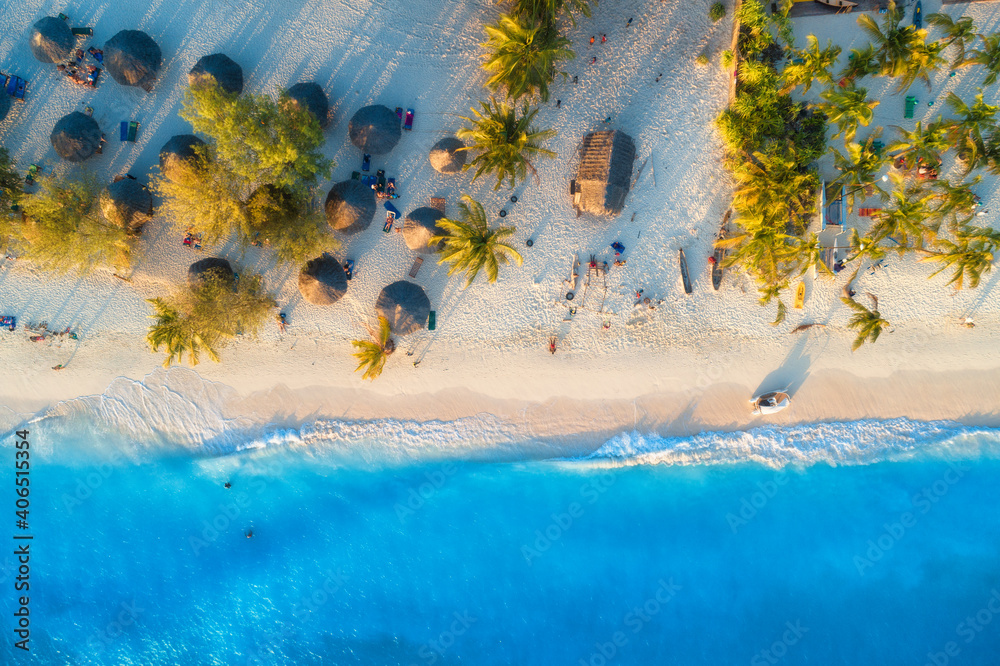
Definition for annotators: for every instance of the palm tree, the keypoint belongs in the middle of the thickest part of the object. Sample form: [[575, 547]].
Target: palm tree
[[523, 56], [470, 245], [860, 63], [764, 252], [774, 181], [848, 108], [958, 33], [907, 221], [956, 201], [988, 57], [970, 257], [547, 11], [810, 64], [173, 331], [505, 141], [893, 43], [966, 132], [809, 254], [372, 354], [868, 323], [859, 169], [921, 144], [925, 59]]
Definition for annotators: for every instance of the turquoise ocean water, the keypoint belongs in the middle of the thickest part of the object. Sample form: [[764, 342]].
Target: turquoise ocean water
[[856, 543]]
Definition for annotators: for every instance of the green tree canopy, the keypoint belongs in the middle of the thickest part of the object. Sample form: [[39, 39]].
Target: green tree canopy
[[504, 141], [257, 139], [63, 230], [470, 244], [523, 56], [202, 317]]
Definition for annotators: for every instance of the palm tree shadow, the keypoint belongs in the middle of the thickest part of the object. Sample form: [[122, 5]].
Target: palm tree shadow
[[793, 371]]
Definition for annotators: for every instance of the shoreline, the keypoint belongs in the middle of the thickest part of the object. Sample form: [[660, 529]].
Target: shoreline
[[570, 406]]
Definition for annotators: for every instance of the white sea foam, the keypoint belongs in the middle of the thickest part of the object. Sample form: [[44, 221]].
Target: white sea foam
[[836, 443], [177, 410]]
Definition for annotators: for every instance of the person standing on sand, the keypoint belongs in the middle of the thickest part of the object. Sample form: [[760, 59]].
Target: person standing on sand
[[552, 345], [591, 40], [604, 38]]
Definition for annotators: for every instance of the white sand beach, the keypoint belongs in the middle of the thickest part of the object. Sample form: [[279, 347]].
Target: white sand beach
[[687, 365]]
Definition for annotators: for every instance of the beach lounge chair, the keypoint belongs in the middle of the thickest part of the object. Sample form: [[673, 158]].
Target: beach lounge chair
[[349, 268], [911, 104], [417, 263], [15, 86], [83, 32], [129, 130], [63, 16], [392, 209], [390, 217], [390, 190], [379, 185], [408, 123], [355, 175], [368, 180], [366, 162], [617, 247], [431, 321]]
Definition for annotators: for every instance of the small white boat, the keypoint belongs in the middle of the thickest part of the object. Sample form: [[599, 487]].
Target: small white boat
[[839, 4], [770, 403]]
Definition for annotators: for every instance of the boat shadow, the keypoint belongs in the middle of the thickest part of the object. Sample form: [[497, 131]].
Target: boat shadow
[[793, 371]]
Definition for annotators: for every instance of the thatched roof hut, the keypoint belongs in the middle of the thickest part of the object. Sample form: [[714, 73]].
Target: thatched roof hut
[[605, 173], [76, 137], [375, 129], [133, 58], [179, 153], [350, 206], [311, 97], [200, 270], [127, 204], [51, 40], [447, 155], [220, 69], [419, 227], [322, 281], [405, 305]]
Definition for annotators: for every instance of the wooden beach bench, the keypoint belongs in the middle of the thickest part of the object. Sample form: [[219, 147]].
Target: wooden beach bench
[[417, 263]]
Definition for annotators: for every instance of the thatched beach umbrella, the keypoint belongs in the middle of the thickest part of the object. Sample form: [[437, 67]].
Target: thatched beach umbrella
[[179, 153], [76, 137], [127, 204], [405, 305], [322, 281], [375, 129], [310, 96], [418, 228], [350, 206], [51, 40], [202, 269], [132, 58], [605, 172], [220, 69], [447, 155]]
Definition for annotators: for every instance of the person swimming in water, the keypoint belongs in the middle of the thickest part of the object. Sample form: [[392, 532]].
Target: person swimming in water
[[227, 485], [249, 533]]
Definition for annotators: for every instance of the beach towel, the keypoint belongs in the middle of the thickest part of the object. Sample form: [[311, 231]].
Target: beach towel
[[617, 247], [129, 130], [431, 321], [399, 112]]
